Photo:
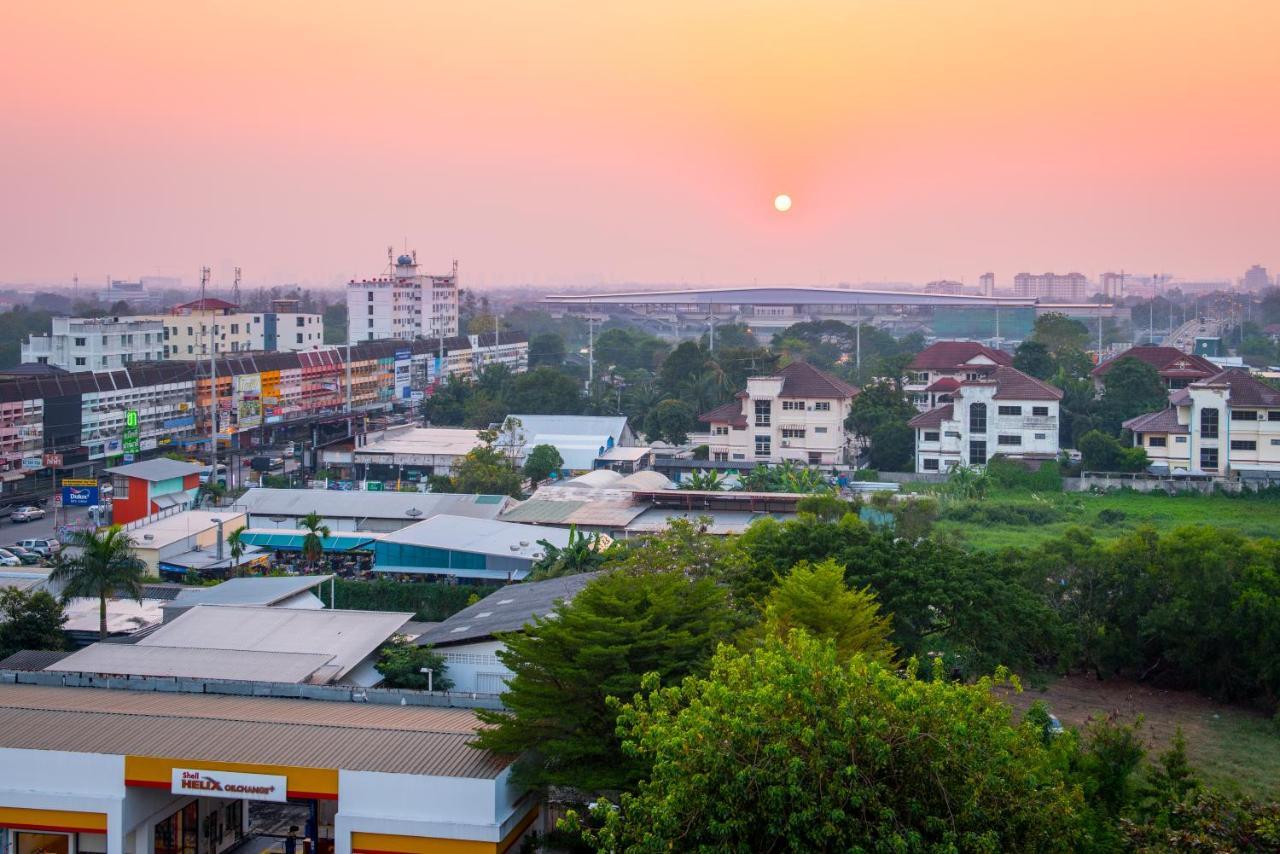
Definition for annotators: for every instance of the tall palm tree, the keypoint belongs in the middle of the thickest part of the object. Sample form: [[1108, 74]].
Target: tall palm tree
[[236, 547], [105, 567], [313, 542]]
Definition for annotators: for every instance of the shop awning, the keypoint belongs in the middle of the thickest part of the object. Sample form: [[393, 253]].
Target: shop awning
[[290, 539]]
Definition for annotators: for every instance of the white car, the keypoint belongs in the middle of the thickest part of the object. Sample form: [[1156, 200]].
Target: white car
[[8, 558], [27, 514]]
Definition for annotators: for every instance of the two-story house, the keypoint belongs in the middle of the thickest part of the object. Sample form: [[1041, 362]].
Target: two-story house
[[796, 414], [1003, 411], [938, 370], [1176, 368], [1229, 422]]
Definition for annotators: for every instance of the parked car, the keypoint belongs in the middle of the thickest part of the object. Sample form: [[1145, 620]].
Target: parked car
[[8, 559], [46, 548], [25, 555], [27, 514]]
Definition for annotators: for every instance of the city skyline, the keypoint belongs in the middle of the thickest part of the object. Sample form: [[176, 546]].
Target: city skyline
[[574, 144]]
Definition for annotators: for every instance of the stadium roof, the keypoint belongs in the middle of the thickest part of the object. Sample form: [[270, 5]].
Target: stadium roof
[[782, 295]]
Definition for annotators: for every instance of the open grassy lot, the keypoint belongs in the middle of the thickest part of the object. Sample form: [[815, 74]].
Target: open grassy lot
[[1235, 749], [1255, 517]]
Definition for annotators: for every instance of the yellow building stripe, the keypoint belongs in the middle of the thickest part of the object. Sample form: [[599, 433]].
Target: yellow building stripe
[[390, 843], [157, 772], [62, 821]]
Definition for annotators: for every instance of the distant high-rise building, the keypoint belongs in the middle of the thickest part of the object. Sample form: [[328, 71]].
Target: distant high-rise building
[[988, 283], [1255, 278], [405, 304], [944, 286], [1112, 286], [1051, 287]]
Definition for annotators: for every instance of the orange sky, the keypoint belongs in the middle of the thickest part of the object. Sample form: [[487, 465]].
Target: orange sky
[[563, 142]]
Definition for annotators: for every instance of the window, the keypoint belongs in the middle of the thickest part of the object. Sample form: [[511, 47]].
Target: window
[[299, 337], [300, 321], [1273, 415], [721, 431], [764, 408], [822, 406], [371, 326], [1244, 415], [1208, 423], [1040, 435], [930, 464], [80, 360], [1208, 458], [1008, 440], [1275, 442], [764, 446], [370, 295], [819, 429], [1040, 411], [931, 436], [235, 329], [189, 349], [739, 456], [1009, 410], [720, 456], [815, 458], [920, 378], [80, 342], [793, 432], [1243, 445], [1157, 442], [119, 487], [977, 453], [795, 405], [978, 418], [1181, 440]]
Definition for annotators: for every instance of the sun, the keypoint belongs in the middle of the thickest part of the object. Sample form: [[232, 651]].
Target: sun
[[782, 203]]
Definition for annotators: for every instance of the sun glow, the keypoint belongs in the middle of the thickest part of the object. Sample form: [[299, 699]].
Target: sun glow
[[782, 203]]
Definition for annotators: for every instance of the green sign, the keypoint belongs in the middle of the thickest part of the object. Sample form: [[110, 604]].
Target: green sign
[[129, 438], [131, 420], [130, 444], [373, 486]]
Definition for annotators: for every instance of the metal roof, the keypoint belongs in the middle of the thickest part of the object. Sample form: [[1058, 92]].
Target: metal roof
[[193, 663], [161, 468], [290, 539], [580, 439], [258, 730], [249, 591], [782, 295], [367, 505], [33, 659], [479, 536], [507, 610]]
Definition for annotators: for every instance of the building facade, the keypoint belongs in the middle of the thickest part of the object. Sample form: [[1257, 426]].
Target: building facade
[[937, 371], [1051, 287], [187, 330], [797, 414], [96, 343], [1001, 412], [404, 305], [1176, 368], [1225, 424]]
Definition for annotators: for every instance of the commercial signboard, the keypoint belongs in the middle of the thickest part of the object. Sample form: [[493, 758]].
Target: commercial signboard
[[230, 784], [248, 400], [52, 460], [404, 371], [80, 496], [32, 463], [79, 481], [129, 438]]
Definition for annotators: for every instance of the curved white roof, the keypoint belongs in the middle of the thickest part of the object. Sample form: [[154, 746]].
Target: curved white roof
[[598, 479], [644, 481]]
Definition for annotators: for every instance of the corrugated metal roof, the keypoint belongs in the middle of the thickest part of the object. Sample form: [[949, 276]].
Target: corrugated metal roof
[[249, 591], [209, 728], [33, 659], [542, 511], [507, 610], [161, 468], [193, 662], [366, 505], [479, 536]]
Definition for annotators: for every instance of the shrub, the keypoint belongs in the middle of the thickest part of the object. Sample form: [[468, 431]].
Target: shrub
[[981, 513]]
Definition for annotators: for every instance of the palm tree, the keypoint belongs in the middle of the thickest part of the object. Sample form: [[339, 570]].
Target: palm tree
[[703, 481], [236, 546], [313, 542], [583, 553], [105, 566]]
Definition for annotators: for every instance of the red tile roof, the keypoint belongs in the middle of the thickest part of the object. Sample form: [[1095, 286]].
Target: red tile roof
[[933, 418], [944, 384], [207, 304], [729, 413], [1013, 384], [800, 379], [1169, 361], [1245, 389], [1161, 421], [951, 355]]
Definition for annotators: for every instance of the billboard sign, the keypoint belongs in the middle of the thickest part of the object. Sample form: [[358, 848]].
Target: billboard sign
[[404, 363], [52, 460], [129, 438], [79, 496], [32, 463], [230, 784], [248, 400]]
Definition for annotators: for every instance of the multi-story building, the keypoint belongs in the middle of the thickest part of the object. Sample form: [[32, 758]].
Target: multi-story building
[[1223, 424], [987, 282], [1111, 286], [796, 414], [1003, 411], [944, 286], [96, 343], [937, 371], [403, 305], [1051, 287], [1256, 278], [187, 329], [1176, 368]]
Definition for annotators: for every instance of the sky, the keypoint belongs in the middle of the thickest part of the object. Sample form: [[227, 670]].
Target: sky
[[566, 143]]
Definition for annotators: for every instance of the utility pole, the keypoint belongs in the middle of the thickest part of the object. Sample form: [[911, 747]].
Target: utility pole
[[857, 337], [591, 351], [711, 324], [213, 386]]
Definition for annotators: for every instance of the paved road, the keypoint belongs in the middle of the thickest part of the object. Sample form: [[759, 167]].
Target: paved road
[[41, 528]]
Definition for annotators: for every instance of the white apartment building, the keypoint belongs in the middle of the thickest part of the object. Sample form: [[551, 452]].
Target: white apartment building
[[186, 330], [1002, 412], [797, 414], [1052, 287], [96, 343], [938, 370], [1227, 423], [403, 305]]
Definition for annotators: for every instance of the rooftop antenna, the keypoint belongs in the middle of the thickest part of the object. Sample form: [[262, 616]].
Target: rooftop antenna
[[235, 289], [391, 260]]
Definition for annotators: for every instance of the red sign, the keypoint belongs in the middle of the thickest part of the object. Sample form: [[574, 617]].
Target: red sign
[[52, 460]]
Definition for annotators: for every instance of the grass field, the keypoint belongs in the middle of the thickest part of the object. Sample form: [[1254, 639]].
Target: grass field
[[1233, 748], [1251, 517]]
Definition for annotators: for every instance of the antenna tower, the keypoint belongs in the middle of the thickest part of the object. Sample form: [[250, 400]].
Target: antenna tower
[[235, 289]]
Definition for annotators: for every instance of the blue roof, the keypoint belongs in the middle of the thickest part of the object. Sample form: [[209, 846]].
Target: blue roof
[[290, 539]]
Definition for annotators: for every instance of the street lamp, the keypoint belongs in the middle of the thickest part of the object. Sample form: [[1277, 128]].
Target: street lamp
[[430, 673]]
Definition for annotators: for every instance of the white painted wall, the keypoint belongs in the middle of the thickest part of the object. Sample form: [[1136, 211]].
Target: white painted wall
[[474, 667]]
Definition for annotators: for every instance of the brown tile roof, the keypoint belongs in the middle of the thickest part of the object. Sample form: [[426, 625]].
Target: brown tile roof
[[933, 418], [950, 355], [944, 384], [1246, 390], [800, 379], [209, 728], [1013, 384], [1169, 361], [1161, 421], [730, 413]]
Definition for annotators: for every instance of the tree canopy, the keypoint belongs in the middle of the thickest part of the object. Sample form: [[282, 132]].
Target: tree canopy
[[104, 566], [541, 462], [30, 619]]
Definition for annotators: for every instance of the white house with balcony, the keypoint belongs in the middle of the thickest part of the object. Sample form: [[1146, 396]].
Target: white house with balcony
[[96, 343], [938, 370], [1228, 423], [1003, 412], [796, 414]]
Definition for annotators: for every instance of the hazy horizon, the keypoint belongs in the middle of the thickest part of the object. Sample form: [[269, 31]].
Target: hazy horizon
[[574, 144]]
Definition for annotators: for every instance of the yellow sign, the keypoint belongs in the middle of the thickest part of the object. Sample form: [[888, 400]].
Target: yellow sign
[[79, 481]]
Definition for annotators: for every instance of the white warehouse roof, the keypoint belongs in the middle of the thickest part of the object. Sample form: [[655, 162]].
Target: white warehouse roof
[[480, 536], [333, 504]]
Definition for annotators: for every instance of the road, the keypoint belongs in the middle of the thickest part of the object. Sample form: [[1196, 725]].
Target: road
[[11, 532]]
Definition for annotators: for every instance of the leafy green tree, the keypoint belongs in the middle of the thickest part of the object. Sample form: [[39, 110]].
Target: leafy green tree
[[1100, 452], [544, 391], [731, 336], [828, 507], [685, 361], [1111, 753], [1131, 387], [1034, 359], [583, 553], [546, 350], [104, 566], [878, 404], [893, 447], [670, 421], [236, 546], [541, 462], [1059, 333], [1171, 779], [485, 470], [967, 482], [703, 481], [815, 598], [401, 662], [684, 545], [791, 748], [600, 644], [313, 540], [30, 619]]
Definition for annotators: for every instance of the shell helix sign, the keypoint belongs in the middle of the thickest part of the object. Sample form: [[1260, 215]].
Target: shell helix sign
[[230, 784]]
